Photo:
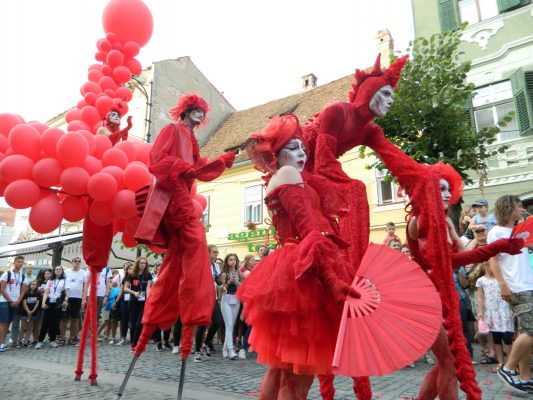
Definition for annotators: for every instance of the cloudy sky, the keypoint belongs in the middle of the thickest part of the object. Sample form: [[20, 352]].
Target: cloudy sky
[[253, 51]]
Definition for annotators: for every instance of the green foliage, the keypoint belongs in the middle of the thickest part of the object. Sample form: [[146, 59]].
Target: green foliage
[[431, 119], [142, 249]]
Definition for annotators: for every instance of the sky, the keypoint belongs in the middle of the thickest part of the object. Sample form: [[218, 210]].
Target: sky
[[253, 51]]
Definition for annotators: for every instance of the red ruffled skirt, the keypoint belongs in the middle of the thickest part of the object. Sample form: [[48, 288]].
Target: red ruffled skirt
[[294, 322]]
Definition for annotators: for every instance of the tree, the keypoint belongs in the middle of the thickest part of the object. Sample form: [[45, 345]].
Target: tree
[[431, 119]]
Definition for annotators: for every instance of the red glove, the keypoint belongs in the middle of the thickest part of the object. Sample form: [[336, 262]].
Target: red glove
[[511, 246], [228, 158]]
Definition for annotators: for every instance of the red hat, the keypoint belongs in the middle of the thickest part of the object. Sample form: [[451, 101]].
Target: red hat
[[369, 83], [446, 171], [187, 102], [263, 146]]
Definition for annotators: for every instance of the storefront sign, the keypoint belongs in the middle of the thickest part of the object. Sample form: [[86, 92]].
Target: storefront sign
[[251, 235]]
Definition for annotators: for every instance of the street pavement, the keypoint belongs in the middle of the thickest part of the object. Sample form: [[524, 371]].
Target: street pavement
[[47, 374]]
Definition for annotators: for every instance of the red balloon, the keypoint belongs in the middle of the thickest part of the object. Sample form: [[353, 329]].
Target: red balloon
[[73, 115], [124, 93], [115, 58], [102, 144], [74, 208], [103, 104], [94, 75], [133, 65], [95, 66], [116, 173], [4, 143], [26, 140], [46, 214], [201, 199], [143, 152], [128, 148], [2, 187], [77, 126], [22, 193], [136, 177], [47, 172], [116, 157], [74, 180], [107, 70], [39, 126], [101, 213], [111, 37], [128, 240], [123, 204], [118, 225], [128, 20], [90, 98], [107, 82], [99, 56], [15, 167], [102, 186], [8, 121], [131, 49], [90, 115], [90, 87], [121, 74], [103, 45], [49, 140], [117, 46], [72, 150], [92, 165], [89, 138], [97, 126], [81, 104], [197, 208]]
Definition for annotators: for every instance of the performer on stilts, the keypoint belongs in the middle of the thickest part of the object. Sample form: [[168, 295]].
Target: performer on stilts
[[294, 298], [111, 126]]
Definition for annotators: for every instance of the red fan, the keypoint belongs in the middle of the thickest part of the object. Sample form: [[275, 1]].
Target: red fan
[[395, 321], [524, 231]]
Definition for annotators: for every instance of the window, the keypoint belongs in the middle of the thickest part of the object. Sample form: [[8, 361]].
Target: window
[[387, 191], [491, 103], [205, 215], [473, 11], [253, 204]]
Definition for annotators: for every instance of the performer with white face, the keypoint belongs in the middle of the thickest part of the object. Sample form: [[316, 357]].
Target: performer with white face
[[445, 192], [197, 115], [293, 154], [381, 101]]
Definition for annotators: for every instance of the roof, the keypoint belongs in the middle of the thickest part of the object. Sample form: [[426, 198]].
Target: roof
[[38, 245], [235, 130]]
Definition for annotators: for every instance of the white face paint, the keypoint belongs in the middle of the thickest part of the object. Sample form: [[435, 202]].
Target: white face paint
[[114, 117], [197, 115], [381, 101], [293, 154], [445, 192]]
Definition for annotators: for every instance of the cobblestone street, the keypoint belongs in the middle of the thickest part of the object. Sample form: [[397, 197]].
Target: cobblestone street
[[49, 373]]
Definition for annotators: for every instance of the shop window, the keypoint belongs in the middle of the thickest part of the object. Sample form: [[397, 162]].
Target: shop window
[[388, 192], [253, 204], [491, 104]]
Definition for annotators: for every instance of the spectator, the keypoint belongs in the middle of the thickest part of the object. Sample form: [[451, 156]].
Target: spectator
[[112, 311], [53, 300], [205, 348], [405, 250], [123, 300], [102, 290], [229, 303], [515, 279], [396, 244], [390, 228], [467, 315], [42, 280], [496, 313], [12, 290], [138, 284], [75, 287], [160, 338], [177, 337], [31, 314], [482, 216], [262, 251], [243, 329], [28, 272], [271, 250]]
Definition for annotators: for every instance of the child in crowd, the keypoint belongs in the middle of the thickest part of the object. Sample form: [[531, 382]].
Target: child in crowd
[[390, 228], [31, 314], [109, 326], [482, 216]]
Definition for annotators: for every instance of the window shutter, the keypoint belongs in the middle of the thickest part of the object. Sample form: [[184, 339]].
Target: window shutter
[[469, 114], [506, 5], [522, 84], [448, 15]]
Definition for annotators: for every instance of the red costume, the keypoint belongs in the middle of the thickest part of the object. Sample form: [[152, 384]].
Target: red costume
[[111, 129], [293, 298], [184, 287]]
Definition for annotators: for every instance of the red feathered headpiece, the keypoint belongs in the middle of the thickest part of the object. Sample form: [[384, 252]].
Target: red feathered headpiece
[[119, 106], [446, 171], [187, 102], [368, 83], [263, 146]]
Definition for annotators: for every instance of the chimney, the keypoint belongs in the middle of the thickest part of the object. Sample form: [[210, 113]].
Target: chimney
[[385, 45], [308, 82]]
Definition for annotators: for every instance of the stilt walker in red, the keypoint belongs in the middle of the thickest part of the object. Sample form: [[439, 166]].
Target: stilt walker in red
[[111, 126], [184, 287]]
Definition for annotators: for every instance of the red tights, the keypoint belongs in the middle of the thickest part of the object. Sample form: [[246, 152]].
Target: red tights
[[283, 384]]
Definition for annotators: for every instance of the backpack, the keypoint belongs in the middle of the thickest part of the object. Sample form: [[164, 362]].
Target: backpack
[[9, 278]]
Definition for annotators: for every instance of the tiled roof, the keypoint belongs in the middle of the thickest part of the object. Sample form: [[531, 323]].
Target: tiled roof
[[234, 131]]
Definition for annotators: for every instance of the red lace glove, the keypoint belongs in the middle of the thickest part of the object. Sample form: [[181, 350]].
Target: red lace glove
[[229, 158], [512, 246]]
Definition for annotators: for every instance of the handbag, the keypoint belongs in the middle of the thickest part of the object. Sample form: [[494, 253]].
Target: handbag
[[482, 328]]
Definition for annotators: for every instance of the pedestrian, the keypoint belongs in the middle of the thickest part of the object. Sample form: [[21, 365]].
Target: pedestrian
[[12, 290], [243, 329], [482, 216], [113, 307], [102, 290], [124, 305], [390, 228], [76, 282], [138, 284], [43, 276], [31, 314], [230, 305], [54, 300]]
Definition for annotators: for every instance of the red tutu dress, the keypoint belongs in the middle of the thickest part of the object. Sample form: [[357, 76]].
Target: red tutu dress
[[288, 297]]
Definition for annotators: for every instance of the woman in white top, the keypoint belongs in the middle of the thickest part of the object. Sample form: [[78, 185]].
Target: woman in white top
[[53, 300], [229, 304]]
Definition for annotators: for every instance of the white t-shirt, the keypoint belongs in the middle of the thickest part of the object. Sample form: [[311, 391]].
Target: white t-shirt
[[75, 281], [55, 288], [105, 274], [13, 286], [516, 270]]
